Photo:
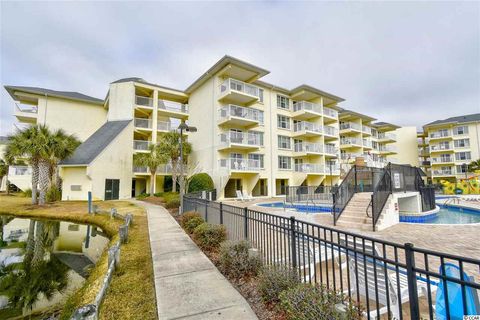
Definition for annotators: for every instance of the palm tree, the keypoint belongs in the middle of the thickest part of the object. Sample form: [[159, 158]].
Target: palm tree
[[474, 166], [62, 146], [152, 160], [3, 171], [169, 145]]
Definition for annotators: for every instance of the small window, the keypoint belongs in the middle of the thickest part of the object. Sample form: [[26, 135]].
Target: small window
[[284, 162], [76, 187], [283, 102], [283, 122], [463, 156], [257, 157], [460, 130], [462, 143], [284, 142]]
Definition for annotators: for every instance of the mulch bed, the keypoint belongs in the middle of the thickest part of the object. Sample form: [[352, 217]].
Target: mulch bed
[[246, 286]]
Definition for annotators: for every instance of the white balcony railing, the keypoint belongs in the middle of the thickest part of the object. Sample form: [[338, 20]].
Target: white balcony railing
[[19, 170], [366, 130], [144, 123], [309, 168], [440, 134], [307, 126], [165, 126], [331, 131], [163, 168], [141, 145], [386, 136], [241, 112], [172, 106], [331, 149], [350, 125], [367, 143], [443, 172], [26, 109], [307, 106], [440, 147], [239, 86], [330, 112], [442, 159], [143, 101], [389, 148], [352, 141], [308, 147], [351, 156], [244, 138], [240, 164]]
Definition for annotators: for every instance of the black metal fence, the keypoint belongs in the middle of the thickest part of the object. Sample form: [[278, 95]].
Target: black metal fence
[[390, 280], [428, 197], [380, 196], [308, 193]]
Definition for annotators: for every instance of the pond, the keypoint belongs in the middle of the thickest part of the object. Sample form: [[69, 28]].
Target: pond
[[43, 261]]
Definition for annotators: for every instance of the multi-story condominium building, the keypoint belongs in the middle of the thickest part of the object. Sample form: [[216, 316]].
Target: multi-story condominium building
[[452, 144], [252, 136], [360, 137]]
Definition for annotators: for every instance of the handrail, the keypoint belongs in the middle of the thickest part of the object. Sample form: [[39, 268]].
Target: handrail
[[384, 183], [351, 175], [370, 204]]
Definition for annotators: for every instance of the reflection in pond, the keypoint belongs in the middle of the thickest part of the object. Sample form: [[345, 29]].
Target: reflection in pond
[[42, 262]]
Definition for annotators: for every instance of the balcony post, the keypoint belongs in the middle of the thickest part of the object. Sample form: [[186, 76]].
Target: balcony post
[[155, 117]]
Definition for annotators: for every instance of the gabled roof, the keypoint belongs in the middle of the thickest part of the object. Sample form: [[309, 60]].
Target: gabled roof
[[307, 87], [385, 125], [460, 119], [346, 112], [61, 94], [96, 143]]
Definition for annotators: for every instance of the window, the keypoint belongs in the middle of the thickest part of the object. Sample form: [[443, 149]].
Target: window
[[463, 156], [255, 137], [257, 157], [462, 143], [284, 163], [260, 94], [461, 169], [460, 130], [283, 122], [283, 102], [284, 142]]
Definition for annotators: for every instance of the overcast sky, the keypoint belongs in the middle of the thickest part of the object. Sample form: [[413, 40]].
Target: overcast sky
[[408, 63]]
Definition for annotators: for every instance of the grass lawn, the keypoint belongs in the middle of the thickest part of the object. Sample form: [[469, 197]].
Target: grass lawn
[[131, 294]]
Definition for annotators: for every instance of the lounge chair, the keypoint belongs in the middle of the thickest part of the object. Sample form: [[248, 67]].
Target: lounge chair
[[358, 265], [246, 196], [239, 195]]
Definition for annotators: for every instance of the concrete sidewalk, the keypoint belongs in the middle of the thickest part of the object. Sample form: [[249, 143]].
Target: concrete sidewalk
[[187, 284]]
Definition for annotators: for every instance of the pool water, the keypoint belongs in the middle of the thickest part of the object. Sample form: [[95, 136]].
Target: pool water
[[298, 207], [447, 215]]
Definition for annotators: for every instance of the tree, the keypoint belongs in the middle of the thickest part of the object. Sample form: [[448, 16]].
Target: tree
[[169, 145], [474, 166], [3, 170], [62, 146], [152, 160]]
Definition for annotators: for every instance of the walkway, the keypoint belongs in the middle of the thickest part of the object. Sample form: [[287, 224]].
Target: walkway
[[187, 284]]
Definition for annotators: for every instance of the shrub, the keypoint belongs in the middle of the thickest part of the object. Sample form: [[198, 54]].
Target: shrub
[[172, 203], [53, 194], [235, 260], [27, 193], [307, 301], [187, 216], [143, 195], [158, 194], [209, 236], [200, 182], [275, 279], [191, 224]]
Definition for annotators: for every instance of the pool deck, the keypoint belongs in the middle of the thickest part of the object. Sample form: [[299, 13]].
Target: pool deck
[[462, 240]]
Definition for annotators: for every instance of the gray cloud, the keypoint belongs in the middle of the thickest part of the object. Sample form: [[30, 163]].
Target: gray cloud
[[404, 62]]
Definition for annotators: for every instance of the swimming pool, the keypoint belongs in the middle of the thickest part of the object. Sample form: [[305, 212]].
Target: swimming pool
[[324, 208], [447, 215]]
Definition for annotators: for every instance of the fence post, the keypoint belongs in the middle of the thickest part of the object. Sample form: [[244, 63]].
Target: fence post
[[89, 201], [373, 213], [245, 222], [206, 210], [293, 237], [355, 171], [221, 212], [333, 209], [412, 281]]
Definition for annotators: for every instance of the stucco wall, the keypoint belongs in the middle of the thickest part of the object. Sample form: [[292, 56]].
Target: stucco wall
[[75, 176], [407, 146]]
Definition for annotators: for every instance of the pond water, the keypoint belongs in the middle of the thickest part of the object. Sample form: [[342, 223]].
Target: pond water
[[43, 261]]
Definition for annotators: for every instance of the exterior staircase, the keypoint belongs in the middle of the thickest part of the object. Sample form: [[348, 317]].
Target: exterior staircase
[[354, 215]]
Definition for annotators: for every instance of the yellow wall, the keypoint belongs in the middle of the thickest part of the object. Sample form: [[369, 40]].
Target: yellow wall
[[407, 146], [75, 176]]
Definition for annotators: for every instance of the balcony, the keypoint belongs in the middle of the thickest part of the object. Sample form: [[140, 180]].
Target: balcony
[[172, 109], [441, 147], [307, 148], [386, 137], [350, 142], [240, 140], [26, 114], [19, 171], [351, 156], [166, 126], [143, 124], [310, 168], [240, 165], [386, 150], [141, 145], [443, 172], [331, 150], [367, 144], [144, 102], [236, 91], [163, 169], [332, 170], [330, 113], [304, 110], [440, 135], [306, 129], [330, 132], [366, 130], [346, 127], [442, 160], [240, 116]]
